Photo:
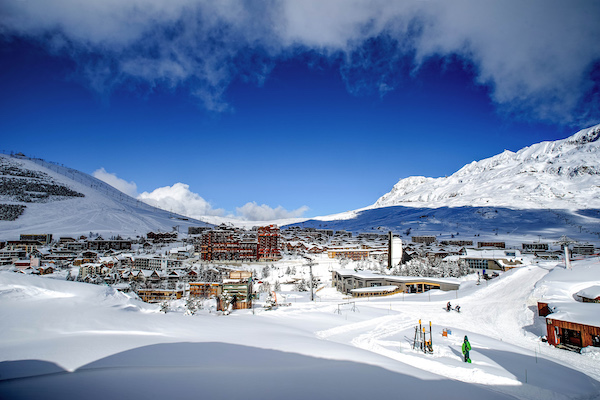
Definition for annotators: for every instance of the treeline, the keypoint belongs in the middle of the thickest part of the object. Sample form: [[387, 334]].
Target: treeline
[[10, 212], [32, 192]]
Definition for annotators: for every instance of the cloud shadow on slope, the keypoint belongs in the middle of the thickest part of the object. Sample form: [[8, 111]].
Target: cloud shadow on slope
[[226, 371], [467, 221]]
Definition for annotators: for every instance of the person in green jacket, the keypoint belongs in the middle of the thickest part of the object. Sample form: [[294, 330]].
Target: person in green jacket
[[466, 347]]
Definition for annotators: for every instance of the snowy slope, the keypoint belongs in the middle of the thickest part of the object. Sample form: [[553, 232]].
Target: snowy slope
[[564, 174], [71, 340], [514, 226], [102, 209]]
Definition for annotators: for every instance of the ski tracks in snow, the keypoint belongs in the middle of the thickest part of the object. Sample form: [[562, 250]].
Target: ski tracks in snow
[[374, 335]]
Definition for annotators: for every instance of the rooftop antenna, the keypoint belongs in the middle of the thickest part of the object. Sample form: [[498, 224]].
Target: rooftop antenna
[[565, 241]]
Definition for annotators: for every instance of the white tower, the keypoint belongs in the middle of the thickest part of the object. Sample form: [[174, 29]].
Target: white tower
[[394, 250]]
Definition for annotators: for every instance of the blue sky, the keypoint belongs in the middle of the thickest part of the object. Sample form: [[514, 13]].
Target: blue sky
[[275, 109]]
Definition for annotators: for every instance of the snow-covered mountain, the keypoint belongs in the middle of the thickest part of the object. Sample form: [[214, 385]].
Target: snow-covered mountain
[[40, 197], [540, 192], [564, 174]]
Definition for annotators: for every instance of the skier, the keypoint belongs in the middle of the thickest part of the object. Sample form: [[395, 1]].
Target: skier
[[448, 307], [466, 347], [457, 308]]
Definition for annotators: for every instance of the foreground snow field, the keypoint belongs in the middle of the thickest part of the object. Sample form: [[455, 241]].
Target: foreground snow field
[[64, 339]]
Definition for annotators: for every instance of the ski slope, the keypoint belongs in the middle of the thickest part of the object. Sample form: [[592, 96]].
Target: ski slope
[[103, 209], [67, 339]]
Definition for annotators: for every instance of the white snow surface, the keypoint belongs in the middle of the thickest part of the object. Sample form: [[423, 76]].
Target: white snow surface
[[563, 174], [591, 292], [64, 339], [560, 288]]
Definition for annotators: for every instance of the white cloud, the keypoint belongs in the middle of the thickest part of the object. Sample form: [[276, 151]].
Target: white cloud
[[536, 57], [179, 199], [251, 211], [129, 188]]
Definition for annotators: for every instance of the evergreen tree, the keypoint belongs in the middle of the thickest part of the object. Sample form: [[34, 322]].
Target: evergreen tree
[[191, 305], [265, 287], [265, 272], [164, 306], [302, 286]]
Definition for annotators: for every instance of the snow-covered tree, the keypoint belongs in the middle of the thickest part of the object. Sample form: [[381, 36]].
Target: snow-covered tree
[[265, 272], [302, 286], [191, 305], [164, 306], [265, 287]]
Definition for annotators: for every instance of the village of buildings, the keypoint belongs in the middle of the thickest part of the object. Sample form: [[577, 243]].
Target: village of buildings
[[232, 266]]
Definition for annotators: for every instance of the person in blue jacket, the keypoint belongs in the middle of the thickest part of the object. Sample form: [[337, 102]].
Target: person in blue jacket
[[466, 347]]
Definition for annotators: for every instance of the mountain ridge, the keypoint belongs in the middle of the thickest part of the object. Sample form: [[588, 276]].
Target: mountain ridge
[[563, 174]]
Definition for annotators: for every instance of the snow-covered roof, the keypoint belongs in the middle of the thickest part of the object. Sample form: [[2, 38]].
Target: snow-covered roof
[[592, 292], [491, 254], [558, 287], [397, 278], [579, 313]]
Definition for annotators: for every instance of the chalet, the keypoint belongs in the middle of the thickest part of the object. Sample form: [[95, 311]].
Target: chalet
[[45, 270], [571, 330], [176, 275], [29, 270], [315, 250]]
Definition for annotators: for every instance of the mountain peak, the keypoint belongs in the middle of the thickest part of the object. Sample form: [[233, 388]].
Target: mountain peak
[[563, 174]]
